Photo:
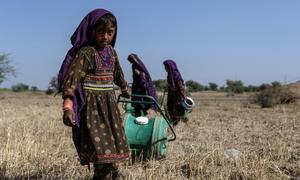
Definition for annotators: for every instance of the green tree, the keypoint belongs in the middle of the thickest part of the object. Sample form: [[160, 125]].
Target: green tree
[[213, 86], [6, 69], [20, 87], [222, 89], [194, 86], [53, 85], [251, 88], [235, 86], [264, 86]]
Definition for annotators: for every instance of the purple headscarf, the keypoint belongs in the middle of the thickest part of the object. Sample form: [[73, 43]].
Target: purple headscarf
[[147, 82], [83, 36], [173, 73]]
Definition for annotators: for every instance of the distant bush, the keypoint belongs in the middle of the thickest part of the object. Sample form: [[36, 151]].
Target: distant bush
[[53, 86], [235, 86], [213, 86], [222, 89], [194, 86], [20, 87], [251, 88], [160, 84], [276, 84], [49, 91], [272, 96], [264, 86], [34, 89]]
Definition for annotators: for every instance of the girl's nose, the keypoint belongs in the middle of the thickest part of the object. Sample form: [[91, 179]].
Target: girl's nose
[[105, 36]]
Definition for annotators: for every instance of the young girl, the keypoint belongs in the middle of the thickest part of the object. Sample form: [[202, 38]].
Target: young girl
[[142, 85], [176, 93], [86, 80]]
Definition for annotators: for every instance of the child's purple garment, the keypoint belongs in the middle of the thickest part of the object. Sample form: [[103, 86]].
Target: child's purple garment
[[142, 82], [176, 92]]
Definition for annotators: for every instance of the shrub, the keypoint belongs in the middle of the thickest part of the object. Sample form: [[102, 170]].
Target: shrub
[[251, 88], [264, 86], [276, 84], [235, 86], [272, 96], [222, 89], [213, 86], [49, 91], [34, 88], [53, 86], [19, 87], [194, 86]]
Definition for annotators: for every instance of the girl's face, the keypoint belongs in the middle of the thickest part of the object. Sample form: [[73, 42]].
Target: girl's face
[[104, 34]]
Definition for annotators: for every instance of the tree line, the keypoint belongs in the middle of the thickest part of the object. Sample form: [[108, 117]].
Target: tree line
[[234, 86]]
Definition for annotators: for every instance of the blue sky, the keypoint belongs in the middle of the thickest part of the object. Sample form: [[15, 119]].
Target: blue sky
[[255, 41]]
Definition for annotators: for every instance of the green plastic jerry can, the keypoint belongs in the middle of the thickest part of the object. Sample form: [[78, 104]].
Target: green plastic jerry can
[[146, 140]]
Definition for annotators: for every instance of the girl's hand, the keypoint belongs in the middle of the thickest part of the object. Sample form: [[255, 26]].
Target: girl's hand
[[125, 94], [69, 118], [69, 115]]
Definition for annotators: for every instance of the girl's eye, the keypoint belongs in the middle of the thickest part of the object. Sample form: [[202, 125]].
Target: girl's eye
[[110, 32], [100, 32]]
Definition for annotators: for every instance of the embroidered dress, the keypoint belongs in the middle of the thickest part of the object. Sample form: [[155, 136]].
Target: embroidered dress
[[101, 138]]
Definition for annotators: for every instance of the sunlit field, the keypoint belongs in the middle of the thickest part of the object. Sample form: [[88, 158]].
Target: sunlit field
[[34, 143]]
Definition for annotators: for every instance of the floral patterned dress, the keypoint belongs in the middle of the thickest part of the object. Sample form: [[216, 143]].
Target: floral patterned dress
[[101, 137]]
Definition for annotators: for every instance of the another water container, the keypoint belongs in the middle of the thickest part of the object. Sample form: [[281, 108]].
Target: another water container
[[188, 104]]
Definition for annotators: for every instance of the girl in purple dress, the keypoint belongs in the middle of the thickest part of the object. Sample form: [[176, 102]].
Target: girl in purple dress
[[176, 92], [142, 85]]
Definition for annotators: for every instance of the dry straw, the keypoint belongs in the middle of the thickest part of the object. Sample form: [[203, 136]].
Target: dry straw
[[34, 143]]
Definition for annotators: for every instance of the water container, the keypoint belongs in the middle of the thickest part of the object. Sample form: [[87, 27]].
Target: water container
[[146, 137], [146, 140]]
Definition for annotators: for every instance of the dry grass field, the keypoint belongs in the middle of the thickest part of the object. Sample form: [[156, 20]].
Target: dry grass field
[[34, 143]]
